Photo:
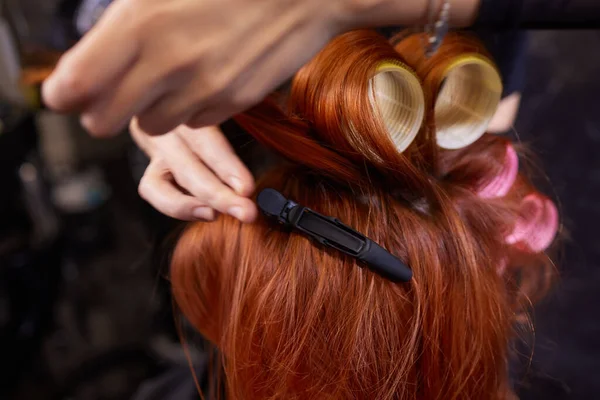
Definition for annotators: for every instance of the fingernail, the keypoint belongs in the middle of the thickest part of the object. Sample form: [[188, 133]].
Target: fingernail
[[203, 213], [236, 184], [236, 212]]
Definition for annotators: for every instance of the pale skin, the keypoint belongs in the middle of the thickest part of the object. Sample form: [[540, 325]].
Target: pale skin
[[176, 68]]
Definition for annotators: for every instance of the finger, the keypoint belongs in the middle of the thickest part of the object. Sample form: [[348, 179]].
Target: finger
[[158, 190], [140, 137], [202, 183], [213, 148], [166, 114], [138, 89], [95, 63]]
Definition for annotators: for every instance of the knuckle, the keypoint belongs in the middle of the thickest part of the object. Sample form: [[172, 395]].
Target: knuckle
[[144, 189]]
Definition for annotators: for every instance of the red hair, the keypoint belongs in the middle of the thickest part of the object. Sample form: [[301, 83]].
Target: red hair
[[293, 320]]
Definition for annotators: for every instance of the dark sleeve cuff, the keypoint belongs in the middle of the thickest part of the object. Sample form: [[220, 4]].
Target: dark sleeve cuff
[[504, 14], [509, 50], [538, 14]]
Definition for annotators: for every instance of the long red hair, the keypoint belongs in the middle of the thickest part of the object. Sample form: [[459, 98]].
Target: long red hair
[[293, 320]]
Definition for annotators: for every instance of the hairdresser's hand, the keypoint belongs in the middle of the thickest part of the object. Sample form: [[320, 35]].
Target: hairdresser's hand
[[193, 173], [187, 61]]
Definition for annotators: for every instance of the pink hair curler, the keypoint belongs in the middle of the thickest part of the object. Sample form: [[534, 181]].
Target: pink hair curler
[[532, 207], [501, 183], [545, 228], [537, 224]]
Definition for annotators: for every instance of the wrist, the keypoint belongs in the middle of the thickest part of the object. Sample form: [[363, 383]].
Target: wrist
[[356, 14], [353, 14]]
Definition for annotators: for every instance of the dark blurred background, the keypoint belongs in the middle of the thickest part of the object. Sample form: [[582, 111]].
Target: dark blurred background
[[84, 306]]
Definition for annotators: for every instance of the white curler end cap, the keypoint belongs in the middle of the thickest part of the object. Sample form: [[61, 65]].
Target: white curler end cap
[[397, 93], [467, 101]]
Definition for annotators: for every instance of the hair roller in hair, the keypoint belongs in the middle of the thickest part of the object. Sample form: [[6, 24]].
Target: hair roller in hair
[[396, 93], [359, 94], [530, 209], [500, 184], [462, 84], [545, 228], [537, 224]]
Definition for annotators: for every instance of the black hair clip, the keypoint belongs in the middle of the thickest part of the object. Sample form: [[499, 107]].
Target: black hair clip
[[333, 233]]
